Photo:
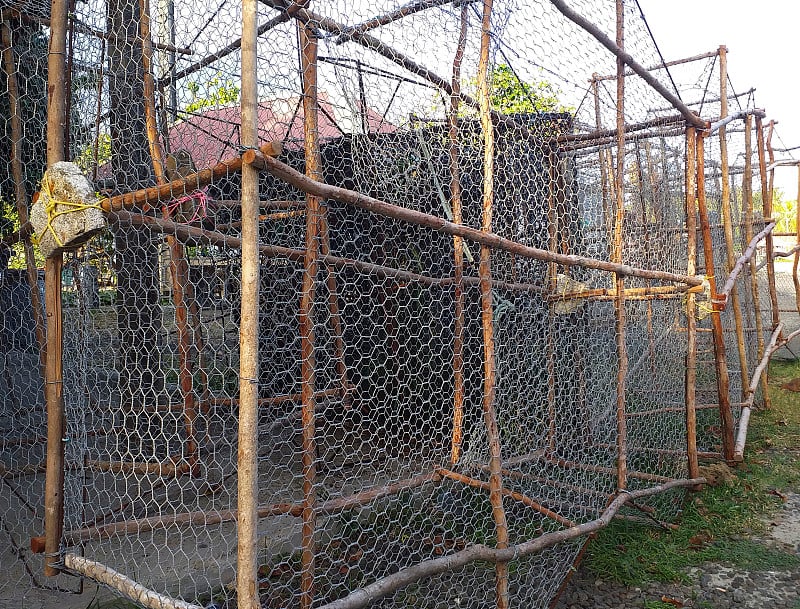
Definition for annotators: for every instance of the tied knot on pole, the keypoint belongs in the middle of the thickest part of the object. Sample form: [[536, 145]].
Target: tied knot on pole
[[55, 208]]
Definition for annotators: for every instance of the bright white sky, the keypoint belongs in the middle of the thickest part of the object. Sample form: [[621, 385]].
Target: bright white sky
[[763, 43]]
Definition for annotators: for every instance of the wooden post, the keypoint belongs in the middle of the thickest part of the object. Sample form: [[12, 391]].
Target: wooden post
[[604, 181], [490, 417], [747, 196], [247, 462], [619, 302], [308, 62], [179, 266], [458, 246], [552, 279], [795, 278], [727, 220], [766, 200], [720, 361], [53, 388], [21, 196], [691, 320]]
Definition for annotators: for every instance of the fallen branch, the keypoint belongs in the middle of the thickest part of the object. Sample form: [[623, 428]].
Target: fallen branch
[[492, 240], [453, 562], [775, 343], [722, 296], [123, 584]]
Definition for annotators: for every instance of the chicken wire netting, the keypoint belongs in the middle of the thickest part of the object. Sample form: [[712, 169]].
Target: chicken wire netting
[[398, 467]]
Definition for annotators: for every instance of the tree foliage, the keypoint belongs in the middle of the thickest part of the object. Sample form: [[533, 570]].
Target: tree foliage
[[511, 95], [215, 94]]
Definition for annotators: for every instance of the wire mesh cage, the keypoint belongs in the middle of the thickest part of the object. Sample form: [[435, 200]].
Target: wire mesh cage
[[485, 320]]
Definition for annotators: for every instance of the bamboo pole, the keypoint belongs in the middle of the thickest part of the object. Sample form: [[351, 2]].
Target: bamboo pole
[[604, 181], [458, 245], [247, 462], [619, 303], [720, 361], [552, 279], [747, 196], [667, 64], [488, 239], [54, 388], [691, 319], [452, 562], [395, 15], [487, 313], [20, 195], [308, 63], [766, 200], [727, 219], [179, 266]]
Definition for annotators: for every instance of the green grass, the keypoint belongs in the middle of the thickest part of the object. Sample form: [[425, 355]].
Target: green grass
[[719, 523]]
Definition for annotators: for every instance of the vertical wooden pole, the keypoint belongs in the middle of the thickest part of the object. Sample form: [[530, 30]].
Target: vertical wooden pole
[[604, 178], [458, 245], [552, 276], [53, 388], [766, 200], [727, 219], [179, 266], [691, 320], [651, 339], [308, 62], [747, 197], [20, 194], [619, 302], [485, 275], [720, 360], [247, 461], [795, 278]]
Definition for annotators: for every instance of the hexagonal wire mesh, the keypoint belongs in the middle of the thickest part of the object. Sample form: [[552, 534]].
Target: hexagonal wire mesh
[[424, 393]]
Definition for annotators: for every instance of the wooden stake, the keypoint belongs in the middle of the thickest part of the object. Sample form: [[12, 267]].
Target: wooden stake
[[54, 388], [619, 303], [747, 196], [458, 246], [247, 462], [487, 317], [308, 62], [20, 195], [727, 220], [796, 262], [766, 200], [691, 319], [720, 361]]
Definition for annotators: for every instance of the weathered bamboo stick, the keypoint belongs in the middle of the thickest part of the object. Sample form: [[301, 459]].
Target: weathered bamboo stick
[[720, 361], [668, 409], [747, 201], [54, 388], [664, 451], [426, 569], [604, 180], [20, 195], [247, 462], [727, 219], [599, 469], [122, 584], [488, 239], [738, 267], [164, 469], [523, 499], [458, 245], [774, 344], [552, 278], [690, 389], [580, 149], [308, 65], [626, 58], [667, 290], [651, 346], [766, 199], [725, 120], [207, 518], [487, 312], [145, 197], [619, 303], [628, 128]]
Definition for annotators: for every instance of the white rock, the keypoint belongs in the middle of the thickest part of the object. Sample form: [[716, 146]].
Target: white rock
[[71, 226]]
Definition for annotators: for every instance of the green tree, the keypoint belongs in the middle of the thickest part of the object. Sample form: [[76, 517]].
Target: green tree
[[217, 93], [785, 213], [510, 95]]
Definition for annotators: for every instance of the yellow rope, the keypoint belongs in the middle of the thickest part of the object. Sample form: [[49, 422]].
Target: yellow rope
[[51, 209]]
